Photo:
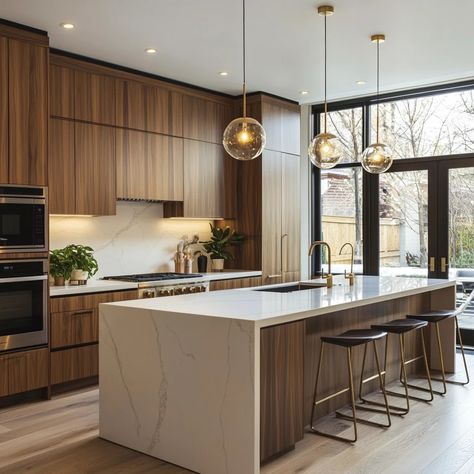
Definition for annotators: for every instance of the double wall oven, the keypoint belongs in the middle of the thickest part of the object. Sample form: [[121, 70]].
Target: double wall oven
[[23, 276]]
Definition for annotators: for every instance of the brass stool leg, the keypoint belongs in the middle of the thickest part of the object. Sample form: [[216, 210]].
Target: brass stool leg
[[401, 348], [316, 384], [441, 362], [463, 356]]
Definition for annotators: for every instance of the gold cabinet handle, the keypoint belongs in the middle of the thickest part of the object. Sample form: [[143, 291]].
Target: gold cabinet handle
[[282, 238], [444, 264], [432, 264]]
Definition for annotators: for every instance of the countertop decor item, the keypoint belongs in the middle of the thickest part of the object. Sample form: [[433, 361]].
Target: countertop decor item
[[377, 157], [244, 138], [83, 263], [60, 266], [184, 256], [217, 247], [324, 151]]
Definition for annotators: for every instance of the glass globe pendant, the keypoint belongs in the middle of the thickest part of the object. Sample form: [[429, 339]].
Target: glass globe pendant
[[377, 157], [325, 151], [244, 138]]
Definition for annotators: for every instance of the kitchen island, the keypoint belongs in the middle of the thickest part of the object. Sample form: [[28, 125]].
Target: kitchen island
[[219, 382]]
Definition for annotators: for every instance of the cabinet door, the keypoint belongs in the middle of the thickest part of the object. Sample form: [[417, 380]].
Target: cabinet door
[[61, 169], [272, 217], [205, 120], [3, 111], [149, 166], [28, 113], [74, 364], [290, 212], [203, 179], [27, 370], [74, 327], [94, 98], [94, 147], [61, 87]]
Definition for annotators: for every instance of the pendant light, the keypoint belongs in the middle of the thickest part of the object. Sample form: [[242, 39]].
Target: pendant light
[[377, 158], [324, 151], [244, 138]]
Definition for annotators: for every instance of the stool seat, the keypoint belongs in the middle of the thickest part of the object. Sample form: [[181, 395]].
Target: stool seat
[[433, 316], [354, 337], [400, 326]]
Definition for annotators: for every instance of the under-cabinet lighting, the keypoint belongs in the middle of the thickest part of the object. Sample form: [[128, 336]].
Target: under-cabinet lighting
[[196, 218], [71, 215]]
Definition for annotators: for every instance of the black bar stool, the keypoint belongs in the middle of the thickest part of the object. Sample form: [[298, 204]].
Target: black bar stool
[[349, 339], [400, 327]]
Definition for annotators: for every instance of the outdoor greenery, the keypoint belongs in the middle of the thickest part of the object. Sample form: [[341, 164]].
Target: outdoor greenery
[[221, 240]]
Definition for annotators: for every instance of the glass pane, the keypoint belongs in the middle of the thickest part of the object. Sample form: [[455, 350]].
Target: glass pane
[[404, 223], [347, 126], [461, 236], [428, 126], [341, 209]]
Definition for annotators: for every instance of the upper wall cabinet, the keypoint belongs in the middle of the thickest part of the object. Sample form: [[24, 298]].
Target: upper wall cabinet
[[3, 110], [61, 94], [94, 98], [149, 166], [204, 119], [141, 106]]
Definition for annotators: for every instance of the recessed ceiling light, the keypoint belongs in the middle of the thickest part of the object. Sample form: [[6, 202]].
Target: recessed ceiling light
[[67, 26], [223, 73], [361, 82], [150, 50], [304, 92]]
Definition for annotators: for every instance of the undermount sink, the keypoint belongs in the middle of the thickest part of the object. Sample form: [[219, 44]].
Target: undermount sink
[[291, 288]]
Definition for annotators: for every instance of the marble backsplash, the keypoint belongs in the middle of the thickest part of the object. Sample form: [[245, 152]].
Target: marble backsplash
[[137, 240]]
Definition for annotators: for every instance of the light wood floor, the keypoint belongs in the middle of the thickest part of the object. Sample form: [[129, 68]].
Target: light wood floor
[[61, 437]]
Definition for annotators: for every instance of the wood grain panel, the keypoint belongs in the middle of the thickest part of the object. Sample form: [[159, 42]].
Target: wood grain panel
[[272, 216], [281, 387], [234, 283], [28, 113], [89, 300], [290, 205], [290, 135], [24, 34], [61, 167], [74, 327], [3, 110], [95, 169], [73, 364], [61, 91], [3, 376], [22, 255], [149, 166], [272, 122], [94, 98]]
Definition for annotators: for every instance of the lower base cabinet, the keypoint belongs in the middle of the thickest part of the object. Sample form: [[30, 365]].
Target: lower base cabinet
[[74, 364], [23, 371], [235, 283]]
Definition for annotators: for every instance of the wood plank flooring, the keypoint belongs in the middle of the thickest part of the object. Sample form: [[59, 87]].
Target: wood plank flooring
[[61, 437]]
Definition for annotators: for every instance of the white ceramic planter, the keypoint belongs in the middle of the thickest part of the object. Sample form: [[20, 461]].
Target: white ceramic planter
[[79, 275], [217, 264]]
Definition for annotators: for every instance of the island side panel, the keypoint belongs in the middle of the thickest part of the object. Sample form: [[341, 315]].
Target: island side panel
[[334, 370], [180, 388], [281, 388]]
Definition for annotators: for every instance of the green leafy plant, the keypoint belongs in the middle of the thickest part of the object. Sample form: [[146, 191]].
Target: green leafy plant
[[82, 258], [221, 239], [59, 264]]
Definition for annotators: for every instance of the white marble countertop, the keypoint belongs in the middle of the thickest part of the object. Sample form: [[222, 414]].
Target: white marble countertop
[[98, 286], [268, 308]]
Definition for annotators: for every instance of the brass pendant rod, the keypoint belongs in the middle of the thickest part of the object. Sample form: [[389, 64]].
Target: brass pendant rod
[[378, 90], [325, 77], [244, 86]]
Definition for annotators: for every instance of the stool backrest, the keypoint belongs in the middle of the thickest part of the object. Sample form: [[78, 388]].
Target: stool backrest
[[463, 307]]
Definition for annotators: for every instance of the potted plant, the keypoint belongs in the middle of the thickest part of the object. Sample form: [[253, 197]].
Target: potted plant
[[60, 267], [83, 263], [217, 247]]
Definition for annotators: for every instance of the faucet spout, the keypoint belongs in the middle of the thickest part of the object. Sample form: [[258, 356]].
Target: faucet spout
[[351, 276], [320, 243]]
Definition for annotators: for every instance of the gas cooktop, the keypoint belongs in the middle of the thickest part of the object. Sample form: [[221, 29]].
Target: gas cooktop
[[153, 277]]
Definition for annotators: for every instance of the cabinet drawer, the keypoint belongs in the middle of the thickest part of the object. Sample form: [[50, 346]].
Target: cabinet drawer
[[74, 364], [74, 327], [23, 371]]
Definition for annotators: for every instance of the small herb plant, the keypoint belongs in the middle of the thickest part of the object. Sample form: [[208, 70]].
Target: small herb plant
[[221, 239], [82, 258]]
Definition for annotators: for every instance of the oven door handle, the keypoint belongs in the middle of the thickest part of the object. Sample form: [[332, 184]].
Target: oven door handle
[[21, 279]]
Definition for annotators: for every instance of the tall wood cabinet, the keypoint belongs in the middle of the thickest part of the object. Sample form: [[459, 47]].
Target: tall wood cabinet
[[24, 107]]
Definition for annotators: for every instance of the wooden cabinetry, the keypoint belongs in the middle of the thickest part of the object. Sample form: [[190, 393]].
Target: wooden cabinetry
[[3, 110], [209, 183], [141, 106], [94, 150], [149, 166], [61, 91], [27, 112], [205, 119], [74, 323], [234, 283], [281, 387], [23, 371]]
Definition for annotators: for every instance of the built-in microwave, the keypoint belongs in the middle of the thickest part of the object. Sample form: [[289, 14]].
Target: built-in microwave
[[23, 219], [23, 303]]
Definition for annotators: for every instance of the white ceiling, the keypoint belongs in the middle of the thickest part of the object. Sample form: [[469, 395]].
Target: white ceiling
[[428, 41]]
